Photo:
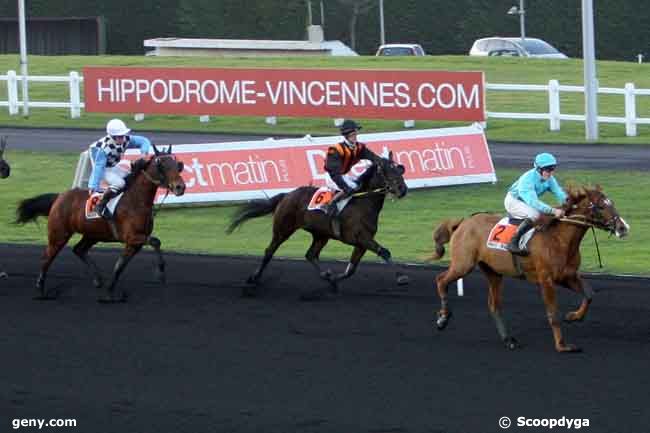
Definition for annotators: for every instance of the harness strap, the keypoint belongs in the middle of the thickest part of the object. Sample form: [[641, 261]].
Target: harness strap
[[361, 194]]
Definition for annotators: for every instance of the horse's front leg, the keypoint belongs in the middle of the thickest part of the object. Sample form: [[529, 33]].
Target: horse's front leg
[[384, 253], [129, 251], [550, 301], [578, 285], [355, 258], [159, 271]]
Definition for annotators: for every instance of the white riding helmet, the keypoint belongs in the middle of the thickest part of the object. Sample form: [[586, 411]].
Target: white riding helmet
[[116, 127]]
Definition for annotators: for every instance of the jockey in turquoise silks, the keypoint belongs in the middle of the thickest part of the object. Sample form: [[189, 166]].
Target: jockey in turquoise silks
[[522, 200], [106, 153]]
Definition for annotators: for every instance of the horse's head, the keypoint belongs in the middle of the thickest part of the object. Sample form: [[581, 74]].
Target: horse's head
[[390, 176], [164, 169], [597, 209], [5, 170]]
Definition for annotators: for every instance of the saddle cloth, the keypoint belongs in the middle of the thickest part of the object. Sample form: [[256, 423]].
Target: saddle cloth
[[502, 233], [322, 197], [92, 201]]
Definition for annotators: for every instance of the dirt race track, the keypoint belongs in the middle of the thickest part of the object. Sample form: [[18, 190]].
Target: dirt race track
[[194, 356]]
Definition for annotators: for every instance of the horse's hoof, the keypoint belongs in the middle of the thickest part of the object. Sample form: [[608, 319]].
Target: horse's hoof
[[109, 299], [402, 279], [326, 275], [98, 283], [573, 317], [252, 280], [443, 320], [249, 292], [568, 348], [511, 344], [4, 275]]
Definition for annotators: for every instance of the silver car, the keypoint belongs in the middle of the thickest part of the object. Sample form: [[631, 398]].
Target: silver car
[[528, 47]]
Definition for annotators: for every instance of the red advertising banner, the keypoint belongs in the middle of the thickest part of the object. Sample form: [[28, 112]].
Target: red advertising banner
[[248, 170], [410, 95]]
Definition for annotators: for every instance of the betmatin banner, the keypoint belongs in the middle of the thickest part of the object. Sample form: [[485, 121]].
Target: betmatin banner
[[416, 95], [247, 170]]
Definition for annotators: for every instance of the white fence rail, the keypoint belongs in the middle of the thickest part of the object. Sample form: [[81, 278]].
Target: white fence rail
[[553, 88]]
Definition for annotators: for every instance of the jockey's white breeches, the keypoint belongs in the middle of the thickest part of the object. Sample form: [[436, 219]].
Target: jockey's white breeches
[[518, 209], [114, 177], [349, 178]]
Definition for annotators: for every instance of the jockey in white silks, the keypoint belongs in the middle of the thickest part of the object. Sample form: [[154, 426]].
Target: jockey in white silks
[[106, 153]]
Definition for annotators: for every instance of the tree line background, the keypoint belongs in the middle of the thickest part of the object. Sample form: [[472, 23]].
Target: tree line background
[[440, 26]]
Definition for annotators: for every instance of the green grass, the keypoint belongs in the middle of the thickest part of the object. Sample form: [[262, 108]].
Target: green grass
[[405, 226], [497, 70]]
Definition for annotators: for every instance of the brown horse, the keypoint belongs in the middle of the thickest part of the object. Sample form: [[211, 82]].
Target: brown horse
[[358, 221], [554, 258], [132, 224]]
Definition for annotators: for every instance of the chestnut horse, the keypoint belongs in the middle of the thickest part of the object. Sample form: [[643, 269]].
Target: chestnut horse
[[554, 258], [132, 223], [358, 221]]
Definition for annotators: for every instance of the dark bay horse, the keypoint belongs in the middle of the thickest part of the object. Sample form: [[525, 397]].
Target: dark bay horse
[[554, 258], [5, 170], [133, 220], [358, 220]]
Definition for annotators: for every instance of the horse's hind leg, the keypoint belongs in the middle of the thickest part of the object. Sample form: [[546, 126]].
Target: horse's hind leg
[[578, 285], [81, 250], [159, 271], [280, 234], [494, 305], [56, 241], [313, 254]]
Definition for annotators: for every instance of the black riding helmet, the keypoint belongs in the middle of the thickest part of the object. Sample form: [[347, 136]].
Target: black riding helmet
[[348, 127]]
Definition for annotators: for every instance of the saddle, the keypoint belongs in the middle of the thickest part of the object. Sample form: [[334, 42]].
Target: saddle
[[504, 230], [94, 199], [322, 197]]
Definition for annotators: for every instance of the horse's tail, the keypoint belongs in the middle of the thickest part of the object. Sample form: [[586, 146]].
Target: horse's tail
[[31, 208], [254, 209], [442, 235]]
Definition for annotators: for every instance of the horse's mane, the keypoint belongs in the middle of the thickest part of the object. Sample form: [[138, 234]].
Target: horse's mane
[[576, 193], [137, 166], [366, 176]]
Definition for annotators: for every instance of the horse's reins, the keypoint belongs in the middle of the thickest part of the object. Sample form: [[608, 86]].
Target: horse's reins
[[372, 191], [593, 231], [158, 183]]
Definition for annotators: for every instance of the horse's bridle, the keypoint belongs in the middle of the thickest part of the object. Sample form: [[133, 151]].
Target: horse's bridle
[[594, 219], [163, 178]]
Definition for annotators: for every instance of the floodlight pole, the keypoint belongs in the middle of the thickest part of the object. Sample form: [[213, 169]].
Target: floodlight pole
[[590, 80], [522, 20], [23, 55], [381, 23]]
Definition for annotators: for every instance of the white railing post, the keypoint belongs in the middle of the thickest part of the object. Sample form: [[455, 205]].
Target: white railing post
[[338, 122], [630, 110], [138, 117], [271, 120], [409, 124], [12, 92], [554, 105], [204, 118], [75, 99]]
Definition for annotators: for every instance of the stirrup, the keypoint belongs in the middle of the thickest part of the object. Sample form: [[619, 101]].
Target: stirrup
[[514, 249]]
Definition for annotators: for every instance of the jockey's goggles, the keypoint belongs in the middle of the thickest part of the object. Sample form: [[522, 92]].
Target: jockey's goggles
[[548, 168], [115, 137]]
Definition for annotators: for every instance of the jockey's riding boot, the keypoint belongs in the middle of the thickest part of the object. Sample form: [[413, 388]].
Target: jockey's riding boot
[[102, 208], [332, 213], [513, 246]]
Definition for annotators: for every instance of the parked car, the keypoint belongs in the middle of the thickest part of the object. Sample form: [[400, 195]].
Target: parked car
[[400, 50], [529, 47]]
